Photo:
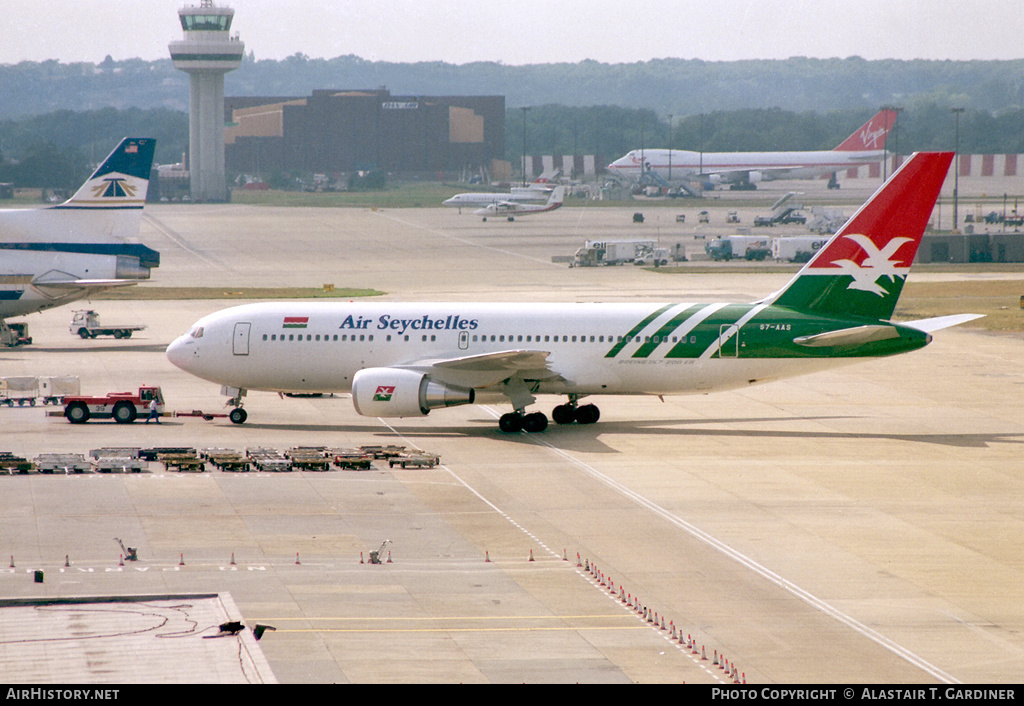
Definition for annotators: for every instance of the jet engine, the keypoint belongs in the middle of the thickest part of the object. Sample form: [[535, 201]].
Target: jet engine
[[395, 392]]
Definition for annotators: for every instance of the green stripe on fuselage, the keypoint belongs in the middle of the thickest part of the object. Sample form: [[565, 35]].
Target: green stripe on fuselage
[[707, 331], [663, 333], [617, 348], [768, 334]]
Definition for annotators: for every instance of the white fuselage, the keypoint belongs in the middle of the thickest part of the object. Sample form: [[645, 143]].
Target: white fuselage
[[482, 199], [676, 165], [44, 251], [319, 347]]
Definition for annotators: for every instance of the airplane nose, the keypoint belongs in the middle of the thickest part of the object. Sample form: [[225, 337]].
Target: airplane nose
[[181, 353]]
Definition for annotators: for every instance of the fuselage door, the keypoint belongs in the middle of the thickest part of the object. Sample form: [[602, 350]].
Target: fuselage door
[[728, 341], [240, 342], [463, 340]]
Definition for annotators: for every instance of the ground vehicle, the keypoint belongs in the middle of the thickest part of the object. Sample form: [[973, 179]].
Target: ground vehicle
[[27, 390], [797, 248], [611, 252], [14, 333], [123, 407], [749, 247], [86, 323], [651, 256]]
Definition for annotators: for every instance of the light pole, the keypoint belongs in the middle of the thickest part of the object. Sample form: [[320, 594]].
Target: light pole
[[524, 109], [670, 148], [956, 167]]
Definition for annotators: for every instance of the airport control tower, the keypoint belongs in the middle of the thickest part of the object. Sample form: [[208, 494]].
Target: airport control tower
[[207, 53]]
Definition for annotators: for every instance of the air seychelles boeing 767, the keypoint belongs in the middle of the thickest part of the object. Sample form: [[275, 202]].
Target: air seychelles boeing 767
[[404, 360]]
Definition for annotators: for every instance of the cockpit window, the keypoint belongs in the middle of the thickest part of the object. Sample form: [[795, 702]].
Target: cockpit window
[[197, 332]]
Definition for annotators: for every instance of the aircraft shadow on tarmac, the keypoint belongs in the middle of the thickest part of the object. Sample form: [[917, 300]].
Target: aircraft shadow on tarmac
[[588, 438]]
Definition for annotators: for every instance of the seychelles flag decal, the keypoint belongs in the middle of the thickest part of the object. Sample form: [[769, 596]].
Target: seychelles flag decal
[[296, 321], [383, 393]]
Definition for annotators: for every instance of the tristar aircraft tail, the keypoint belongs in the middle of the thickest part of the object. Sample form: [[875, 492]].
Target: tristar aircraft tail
[[871, 135], [861, 270], [121, 181]]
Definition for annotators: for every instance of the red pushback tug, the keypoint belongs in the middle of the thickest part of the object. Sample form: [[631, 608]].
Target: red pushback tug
[[123, 407]]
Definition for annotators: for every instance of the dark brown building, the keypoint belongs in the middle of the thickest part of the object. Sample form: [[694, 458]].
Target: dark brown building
[[347, 131]]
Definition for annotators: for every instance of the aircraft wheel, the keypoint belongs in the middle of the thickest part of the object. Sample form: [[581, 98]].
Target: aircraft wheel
[[124, 413], [238, 416], [535, 423], [587, 414], [77, 413], [563, 414], [511, 422]]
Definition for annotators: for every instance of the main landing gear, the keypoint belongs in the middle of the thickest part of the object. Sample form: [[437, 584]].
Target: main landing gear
[[537, 422]]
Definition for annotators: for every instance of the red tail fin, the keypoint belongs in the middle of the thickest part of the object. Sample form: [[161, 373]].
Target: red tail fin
[[871, 135], [861, 270]]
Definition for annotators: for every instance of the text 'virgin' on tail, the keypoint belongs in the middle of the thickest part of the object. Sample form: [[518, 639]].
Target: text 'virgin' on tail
[[870, 136], [861, 270]]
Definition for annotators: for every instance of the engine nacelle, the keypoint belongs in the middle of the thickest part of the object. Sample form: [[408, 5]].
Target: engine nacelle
[[394, 392], [755, 177]]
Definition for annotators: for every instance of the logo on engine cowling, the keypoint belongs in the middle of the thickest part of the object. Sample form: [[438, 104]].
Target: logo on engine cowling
[[383, 393]]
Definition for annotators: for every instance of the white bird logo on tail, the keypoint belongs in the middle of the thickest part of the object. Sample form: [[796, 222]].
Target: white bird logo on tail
[[879, 263]]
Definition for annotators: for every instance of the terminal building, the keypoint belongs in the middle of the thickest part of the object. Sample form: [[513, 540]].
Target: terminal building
[[346, 131]]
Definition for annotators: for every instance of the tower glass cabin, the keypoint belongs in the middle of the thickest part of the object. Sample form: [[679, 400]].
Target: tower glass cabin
[[206, 53]]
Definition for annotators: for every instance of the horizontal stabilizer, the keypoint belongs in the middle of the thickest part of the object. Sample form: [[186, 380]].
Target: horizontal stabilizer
[[940, 322], [848, 336]]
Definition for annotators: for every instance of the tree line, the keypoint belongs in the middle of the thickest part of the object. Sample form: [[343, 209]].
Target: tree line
[[611, 131], [58, 149]]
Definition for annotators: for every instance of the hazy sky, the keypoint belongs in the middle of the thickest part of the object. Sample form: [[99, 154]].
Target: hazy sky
[[530, 31]]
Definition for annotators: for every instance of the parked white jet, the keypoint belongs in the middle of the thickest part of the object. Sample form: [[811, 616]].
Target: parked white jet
[[537, 190], [745, 169], [511, 209], [403, 360], [56, 255]]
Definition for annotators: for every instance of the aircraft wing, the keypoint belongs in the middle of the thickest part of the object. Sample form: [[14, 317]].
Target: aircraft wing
[[487, 369], [85, 283]]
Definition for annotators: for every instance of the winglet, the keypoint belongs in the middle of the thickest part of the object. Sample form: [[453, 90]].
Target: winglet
[[121, 181], [861, 270]]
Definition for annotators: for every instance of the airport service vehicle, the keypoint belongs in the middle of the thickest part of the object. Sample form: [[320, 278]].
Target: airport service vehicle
[[612, 252], [407, 359], [748, 247], [14, 333], [122, 407], [743, 170], [86, 323], [56, 255], [797, 248], [29, 389], [655, 257]]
